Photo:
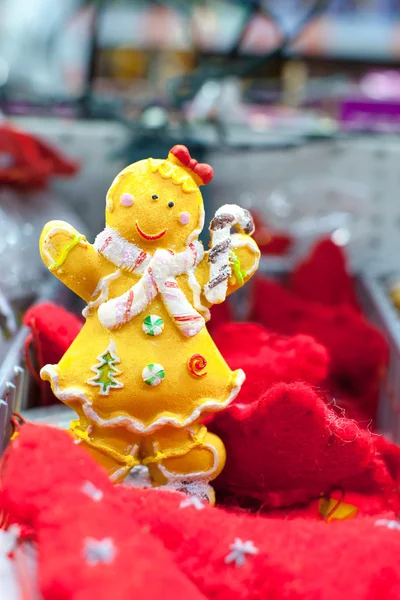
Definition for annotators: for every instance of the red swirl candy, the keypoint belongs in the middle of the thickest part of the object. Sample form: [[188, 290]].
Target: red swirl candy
[[197, 363]]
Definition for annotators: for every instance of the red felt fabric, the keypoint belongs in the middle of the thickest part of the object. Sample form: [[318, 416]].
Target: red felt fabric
[[141, 566], [358, 352], [289, 447], [43, 479], [267, 358], [166, 549], [390, 454], [297, 558], [53, 331], [323, 277]]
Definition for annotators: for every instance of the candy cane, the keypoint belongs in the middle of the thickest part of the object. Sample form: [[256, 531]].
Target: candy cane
[[225, 218]]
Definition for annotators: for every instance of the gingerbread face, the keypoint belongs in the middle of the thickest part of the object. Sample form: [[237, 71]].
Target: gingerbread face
[[155, 204]]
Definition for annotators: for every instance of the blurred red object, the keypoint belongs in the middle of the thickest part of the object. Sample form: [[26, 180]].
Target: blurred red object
[[323, 277], [26, 162], [268, 240], [358, 351], [53, 329], [220, 314]]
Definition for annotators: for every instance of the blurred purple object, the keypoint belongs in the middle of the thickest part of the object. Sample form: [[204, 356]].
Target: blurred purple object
[[377, 108], [381, 85], [363, 114]]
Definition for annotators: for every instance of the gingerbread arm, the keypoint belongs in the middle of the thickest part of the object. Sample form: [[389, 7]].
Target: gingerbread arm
[[70, 257]]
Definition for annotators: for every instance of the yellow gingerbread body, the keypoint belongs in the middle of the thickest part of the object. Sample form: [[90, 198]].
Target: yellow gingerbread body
[[144, 371]]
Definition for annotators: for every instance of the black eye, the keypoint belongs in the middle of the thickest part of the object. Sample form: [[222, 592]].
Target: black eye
[[171, 204], [154, 197]]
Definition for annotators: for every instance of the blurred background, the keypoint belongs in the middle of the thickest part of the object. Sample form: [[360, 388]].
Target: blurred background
[[295, 103], [291, 101]]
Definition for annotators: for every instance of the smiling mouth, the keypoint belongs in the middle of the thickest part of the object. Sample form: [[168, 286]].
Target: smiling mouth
[[148, 237]]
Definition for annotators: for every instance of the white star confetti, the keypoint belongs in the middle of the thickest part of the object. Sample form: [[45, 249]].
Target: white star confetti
[[387, 523], [239, 550], [92, 491], [99, 551], [192, 501]]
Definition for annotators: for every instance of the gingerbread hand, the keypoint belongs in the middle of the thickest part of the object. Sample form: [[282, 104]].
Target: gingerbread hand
[[244, 259], [233, 258], [70, 257]]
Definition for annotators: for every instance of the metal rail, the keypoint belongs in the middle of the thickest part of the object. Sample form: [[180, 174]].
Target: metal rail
[[15, 379], [13, 385]]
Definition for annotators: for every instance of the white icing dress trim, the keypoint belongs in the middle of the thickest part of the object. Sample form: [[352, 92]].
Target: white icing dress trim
[[77, 395]]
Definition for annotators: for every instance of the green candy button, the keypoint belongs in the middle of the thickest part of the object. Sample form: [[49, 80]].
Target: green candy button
[[153, 374], [153, 325]]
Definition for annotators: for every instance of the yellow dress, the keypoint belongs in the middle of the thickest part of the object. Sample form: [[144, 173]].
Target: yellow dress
[[144, 371]]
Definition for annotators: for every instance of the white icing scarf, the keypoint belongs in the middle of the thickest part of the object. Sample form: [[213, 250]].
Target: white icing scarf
[[158, 277]]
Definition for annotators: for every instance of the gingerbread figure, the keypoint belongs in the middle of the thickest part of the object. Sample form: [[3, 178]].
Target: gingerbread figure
[[144, 371]]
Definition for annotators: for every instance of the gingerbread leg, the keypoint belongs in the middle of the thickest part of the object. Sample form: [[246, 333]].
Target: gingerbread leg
[[116, 451], [185, 459]]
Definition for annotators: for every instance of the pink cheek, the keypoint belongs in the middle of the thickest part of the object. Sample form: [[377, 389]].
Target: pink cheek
[[184, 218], [126, 200]]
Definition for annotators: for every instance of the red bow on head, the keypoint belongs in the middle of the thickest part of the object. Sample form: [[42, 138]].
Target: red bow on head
[[204, 172]]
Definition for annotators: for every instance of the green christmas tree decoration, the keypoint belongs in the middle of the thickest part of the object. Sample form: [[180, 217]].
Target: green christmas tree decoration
[[106, 371]]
